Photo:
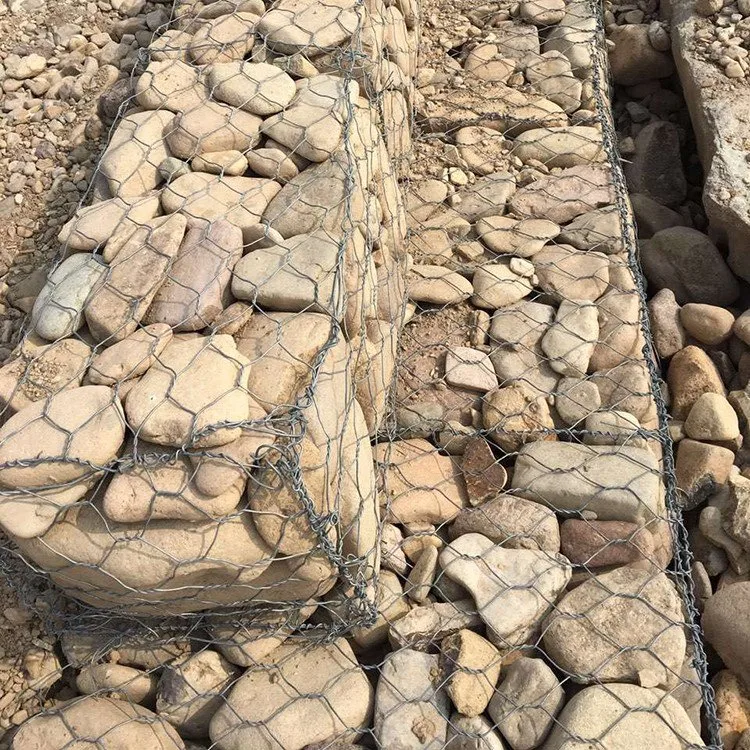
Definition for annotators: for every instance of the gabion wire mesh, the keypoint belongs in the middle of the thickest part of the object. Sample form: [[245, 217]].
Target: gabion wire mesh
[[320, 456]]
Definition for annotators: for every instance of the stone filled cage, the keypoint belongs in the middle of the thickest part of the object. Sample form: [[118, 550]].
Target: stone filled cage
[[308, 445]]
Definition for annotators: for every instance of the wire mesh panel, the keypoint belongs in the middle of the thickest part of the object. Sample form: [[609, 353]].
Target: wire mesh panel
[[325, 467]]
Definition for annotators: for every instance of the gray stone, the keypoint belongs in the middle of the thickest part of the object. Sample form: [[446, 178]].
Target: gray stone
[[513, 588], [411, 709], [687, 262], [622, 626], [526, 702], [619, 483], [627, 717]]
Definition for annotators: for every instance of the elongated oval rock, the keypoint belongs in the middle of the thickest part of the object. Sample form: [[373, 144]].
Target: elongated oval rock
[[121, 299], [623, 716], [239, 200], [194, 388], [197, 287], [137, 148], [301, 694], [58, 310], [212, 127], [223, 39], [560, 147], [307, 26], [115, 723], [259, 88], [166, 567], [617, 483]]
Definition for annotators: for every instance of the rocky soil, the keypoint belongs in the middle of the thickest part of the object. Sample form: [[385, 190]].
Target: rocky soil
[[388, 380]]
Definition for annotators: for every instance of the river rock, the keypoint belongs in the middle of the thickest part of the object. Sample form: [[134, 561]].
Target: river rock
[[526, 702], [424, 627], [279, 513], [571, 274], [40, 372], [524, 237], [115, 723], [598, 230], [655, 170], [687, 262], [726, 624], [472, 733], [552, 76], [224, 39], [700, 469], [191, 690], [619, 328], [498, 285], [136, 149], [82, 426], [691, 373], [632, 630], [419, 484], [560, 147], [320, 197], [513, 588], [239, 200], [330, 695], [247, 641], [299, 275], [229, 162], [575, 399], [160, 568], [131, 357], [469, 368], [562, 197], [118, 681], [259, 88], [189, 407], [119, 302], [570, 341], [626, 388], [437, 285], [301, 26], [516, 333], [713, 419], [484, 475], [623, 716], [487, 196], [633, 60], [666, 327], [58, 309], [212, 127], [170, 84], [485, 63], [620, 483], [515, 415], [708, 324], [411, 707], [511, 522], [597, 544], [93, 225], [313, 124], [163, 490], [197, 288]]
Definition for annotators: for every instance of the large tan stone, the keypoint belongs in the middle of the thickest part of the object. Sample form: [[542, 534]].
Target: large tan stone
[[194, 388], [303, 693], [167, 567], [419, 484]]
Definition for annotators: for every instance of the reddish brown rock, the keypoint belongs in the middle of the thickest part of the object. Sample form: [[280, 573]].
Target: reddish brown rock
[[485, 477], [691, 374], [599, 543]]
